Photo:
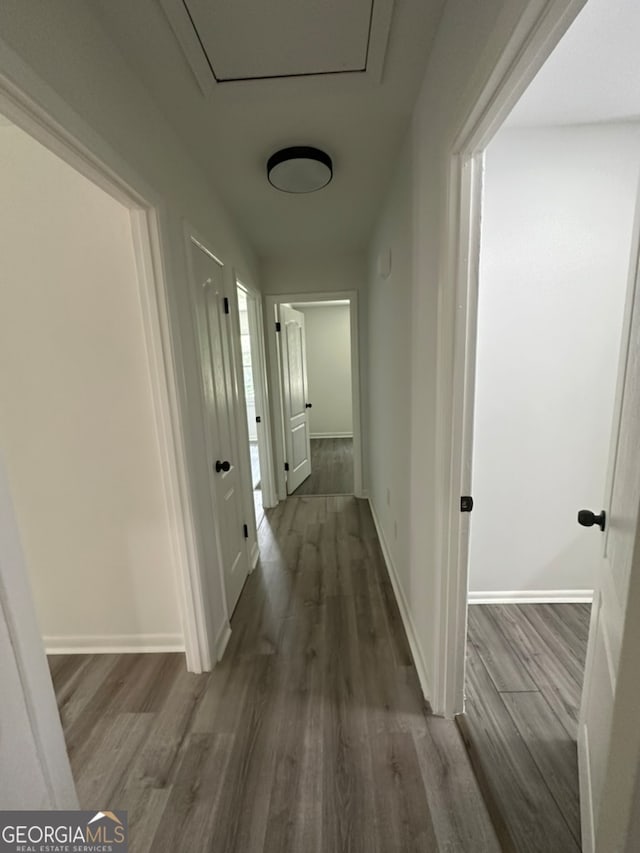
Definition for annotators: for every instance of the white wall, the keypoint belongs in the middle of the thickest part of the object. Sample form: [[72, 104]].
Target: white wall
[[328, 342], [64, 60], [77, 425], [311, 273], [469, 43], [556, 237], [389, 372]]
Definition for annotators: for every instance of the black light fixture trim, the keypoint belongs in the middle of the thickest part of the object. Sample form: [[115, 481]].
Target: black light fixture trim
[[299, 152]]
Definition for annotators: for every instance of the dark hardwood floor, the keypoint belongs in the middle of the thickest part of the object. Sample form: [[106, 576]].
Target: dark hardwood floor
[[525, 667], [331, 468], [311, 735]]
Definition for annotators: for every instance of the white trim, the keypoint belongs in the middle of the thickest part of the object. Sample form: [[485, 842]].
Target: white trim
[[113, 644], [255, 555], [258, 353], [530, 40], [331, 435], [224, 635], [85, 152], [587, 817], [405, 613], [167, 409], [275, 375], [533, 596], [240, 411]]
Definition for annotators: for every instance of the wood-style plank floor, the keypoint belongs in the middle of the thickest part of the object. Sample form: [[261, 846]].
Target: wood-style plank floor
[[331, 468], [525, 667], [310, 735]]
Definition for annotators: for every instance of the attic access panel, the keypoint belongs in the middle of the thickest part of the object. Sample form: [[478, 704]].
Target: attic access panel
[[258, 39]]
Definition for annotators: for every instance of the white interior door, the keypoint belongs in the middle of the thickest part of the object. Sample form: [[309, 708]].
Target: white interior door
[[295, 403], [34, 766], [608, 738], [217, 368]]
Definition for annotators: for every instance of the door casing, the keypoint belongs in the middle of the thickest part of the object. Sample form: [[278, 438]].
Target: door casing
[[271, 313], [532, 41], [258, 354], [47, 119], [29, 103]]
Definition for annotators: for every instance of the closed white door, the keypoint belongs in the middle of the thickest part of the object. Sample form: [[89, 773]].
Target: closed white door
[[295, 403], [608, 738], [218, 376]]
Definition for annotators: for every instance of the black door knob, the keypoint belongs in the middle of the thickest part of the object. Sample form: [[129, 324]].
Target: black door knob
[[222, 466], [308, 405], [588, 519]]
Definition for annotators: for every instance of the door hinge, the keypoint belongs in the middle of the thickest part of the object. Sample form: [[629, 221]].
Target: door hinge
[[466, 503], [245, 530], [286, 466], [258, 419], [226, 305], [278, 327]]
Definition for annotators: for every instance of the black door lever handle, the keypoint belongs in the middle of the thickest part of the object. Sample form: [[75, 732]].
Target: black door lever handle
[[222, 466], [589, 519]]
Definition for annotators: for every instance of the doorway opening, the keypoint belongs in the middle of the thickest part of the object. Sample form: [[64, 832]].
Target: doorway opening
[[538, 372], [89, 431], [318, 390], [78, 425]]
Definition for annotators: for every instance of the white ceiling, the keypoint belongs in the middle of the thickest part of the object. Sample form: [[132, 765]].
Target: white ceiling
[[594, 73], [231, 132]]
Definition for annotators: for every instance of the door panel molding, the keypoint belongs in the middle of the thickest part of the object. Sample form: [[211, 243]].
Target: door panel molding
[[295, 394]]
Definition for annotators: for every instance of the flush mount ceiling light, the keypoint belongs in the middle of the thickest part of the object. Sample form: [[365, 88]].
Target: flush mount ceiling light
[[299, 169]]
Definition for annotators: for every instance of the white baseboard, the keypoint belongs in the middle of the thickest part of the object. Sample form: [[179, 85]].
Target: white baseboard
[[330, 435], [222, 639], [113, 644], [533, 596], [405, 613], [255, 555]]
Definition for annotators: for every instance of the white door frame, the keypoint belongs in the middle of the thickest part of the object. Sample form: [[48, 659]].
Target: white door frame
[[259, 370], [275, 374], [239, 414], [46, 120], [532, 40]]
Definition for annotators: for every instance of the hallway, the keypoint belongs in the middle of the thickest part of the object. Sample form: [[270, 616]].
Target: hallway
[[310, 735]]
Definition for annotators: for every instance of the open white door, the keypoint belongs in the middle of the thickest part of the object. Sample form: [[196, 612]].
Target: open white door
[[609, 726], [294, 397], [217, 369], [34, 766]]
